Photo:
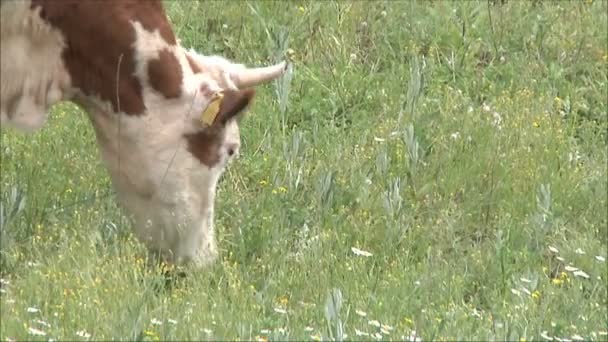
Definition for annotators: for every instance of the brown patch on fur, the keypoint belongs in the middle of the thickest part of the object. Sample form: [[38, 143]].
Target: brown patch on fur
[[11, 104], [205, 145], [154, 18], [165, 74], [195, 68], [97, 34]]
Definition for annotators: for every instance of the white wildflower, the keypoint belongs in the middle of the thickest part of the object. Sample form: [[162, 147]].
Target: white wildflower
[[207, 331], [553, 249], [571, 268], [485, 107], [360, 252], [525, 280], [387, 327], [360, 333], [35, 332], [83, 334], [545, 336], [377, 336], [383, 13], [526, 290], [579, 251], [379, 139], [577, 338], [154, 321], [41, 322], [414, 337], [172, 321], [4, 282], [265, 331], [582, 274], [280, 310], [600, 258], [455, 136], [374, 323], [497, 120], [309, 329], [516, 292], [361, 313], [32, 310], [574, 157], [560, 258]]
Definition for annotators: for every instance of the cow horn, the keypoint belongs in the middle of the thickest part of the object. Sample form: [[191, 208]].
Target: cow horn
[[255, 76]]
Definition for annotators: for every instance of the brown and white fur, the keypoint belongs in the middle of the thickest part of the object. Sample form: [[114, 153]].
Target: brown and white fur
[[144, 94]]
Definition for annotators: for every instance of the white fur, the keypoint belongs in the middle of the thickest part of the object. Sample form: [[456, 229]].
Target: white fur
[[33, 74], [169, 194], [218, 68]]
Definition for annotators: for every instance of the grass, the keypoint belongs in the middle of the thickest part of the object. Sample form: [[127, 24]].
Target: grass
[[462, 144]]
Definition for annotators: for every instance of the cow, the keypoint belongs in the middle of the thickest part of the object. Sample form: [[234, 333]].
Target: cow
[[166, 118]]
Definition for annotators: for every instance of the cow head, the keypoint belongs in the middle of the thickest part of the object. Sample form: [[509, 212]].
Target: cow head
[[166, 118]]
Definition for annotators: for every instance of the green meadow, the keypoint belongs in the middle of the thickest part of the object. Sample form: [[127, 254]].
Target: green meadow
[[429, 170]]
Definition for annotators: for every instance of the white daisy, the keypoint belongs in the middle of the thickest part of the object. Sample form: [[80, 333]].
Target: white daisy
[[360, 252]]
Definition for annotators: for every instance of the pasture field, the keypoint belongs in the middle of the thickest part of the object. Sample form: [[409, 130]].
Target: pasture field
[[430, 170]]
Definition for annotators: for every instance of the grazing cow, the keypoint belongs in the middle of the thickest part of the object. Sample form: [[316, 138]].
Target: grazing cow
[[165, 118]]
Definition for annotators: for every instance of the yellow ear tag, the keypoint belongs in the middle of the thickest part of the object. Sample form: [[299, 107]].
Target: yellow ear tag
[[212, 110]]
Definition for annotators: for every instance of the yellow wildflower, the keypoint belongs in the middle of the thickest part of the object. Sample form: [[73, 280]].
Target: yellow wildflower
[[280, 189], [316, 337]]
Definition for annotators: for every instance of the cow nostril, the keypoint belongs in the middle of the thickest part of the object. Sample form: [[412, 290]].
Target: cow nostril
[[231, 149]]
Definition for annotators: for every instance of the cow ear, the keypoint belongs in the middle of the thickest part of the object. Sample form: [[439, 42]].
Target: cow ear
[[234, 103]]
